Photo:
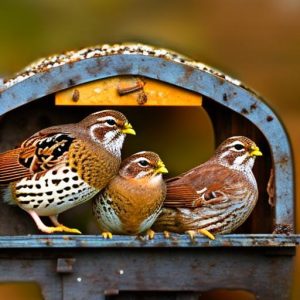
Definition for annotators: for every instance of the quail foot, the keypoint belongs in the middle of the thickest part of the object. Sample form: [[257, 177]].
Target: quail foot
[[133, 199], [215, 197], [63, 166]]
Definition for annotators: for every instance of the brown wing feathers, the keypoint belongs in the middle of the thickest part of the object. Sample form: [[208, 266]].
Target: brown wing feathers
[[200, 186], [181, 194], [30, 157], [10, 167]]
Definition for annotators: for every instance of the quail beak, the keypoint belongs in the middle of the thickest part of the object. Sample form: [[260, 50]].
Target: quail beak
[[127, 129], [161, 168], [255, 151]]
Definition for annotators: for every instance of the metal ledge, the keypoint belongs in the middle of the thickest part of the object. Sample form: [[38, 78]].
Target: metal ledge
[[181, 75], [175, 241]]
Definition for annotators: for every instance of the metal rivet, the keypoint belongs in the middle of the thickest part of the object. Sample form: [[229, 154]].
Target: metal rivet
[[65, 265]]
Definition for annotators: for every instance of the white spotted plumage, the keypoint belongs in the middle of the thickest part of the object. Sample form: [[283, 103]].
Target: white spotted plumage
[[106, 216], [62, 166], [148, 222], [53, 192]]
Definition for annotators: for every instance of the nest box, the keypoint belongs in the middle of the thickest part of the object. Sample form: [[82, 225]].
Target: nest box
[[142, 76]]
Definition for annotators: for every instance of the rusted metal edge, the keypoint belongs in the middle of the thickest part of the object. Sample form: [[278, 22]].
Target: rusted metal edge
[[189, 77], [45, 64], [175, 241]]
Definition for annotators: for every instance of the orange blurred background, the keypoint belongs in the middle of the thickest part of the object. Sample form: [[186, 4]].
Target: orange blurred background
[[255, 41]]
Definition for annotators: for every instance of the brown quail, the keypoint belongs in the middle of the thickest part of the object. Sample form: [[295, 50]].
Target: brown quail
[[133, 199], [63, 166], [215, 197]]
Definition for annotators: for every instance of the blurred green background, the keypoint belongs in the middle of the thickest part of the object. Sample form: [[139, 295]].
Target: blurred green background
[[255, 41]]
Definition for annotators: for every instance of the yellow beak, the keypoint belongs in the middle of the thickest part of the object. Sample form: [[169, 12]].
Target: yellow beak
[[127, 129], [161, 168], [255, 151]]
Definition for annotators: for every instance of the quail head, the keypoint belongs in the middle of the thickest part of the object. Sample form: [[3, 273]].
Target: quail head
[[215, 197], [63, 166], [133, 199]]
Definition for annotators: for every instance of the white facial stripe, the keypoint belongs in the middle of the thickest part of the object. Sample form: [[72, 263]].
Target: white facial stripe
[[241, 162], [143, 158], [109, 136], [143, 174], [92, 132], [224, 154], [113, 142], [232, 146], [156, 179], [103, 119], [236, 150], [240, 159], [101, 112], [235, 143], [126, 168], [141, 152], [110, 142], [139, 159]]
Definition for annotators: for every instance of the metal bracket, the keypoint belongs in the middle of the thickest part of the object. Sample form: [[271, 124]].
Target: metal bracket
[[65, 265]]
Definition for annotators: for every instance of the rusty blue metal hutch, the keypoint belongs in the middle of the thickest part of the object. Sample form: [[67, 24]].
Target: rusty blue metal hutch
[[259, 259]]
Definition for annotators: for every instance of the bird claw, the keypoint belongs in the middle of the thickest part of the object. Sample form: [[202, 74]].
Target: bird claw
[[107, 235], [191, 234], [67, 229], [150, 234], [166, 234], [206, 233], [48, 229]]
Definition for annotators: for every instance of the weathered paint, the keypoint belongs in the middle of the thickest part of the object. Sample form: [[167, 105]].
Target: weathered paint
[[187, 76], [176, 240], [90, 267], [184, 271], [127, 91]]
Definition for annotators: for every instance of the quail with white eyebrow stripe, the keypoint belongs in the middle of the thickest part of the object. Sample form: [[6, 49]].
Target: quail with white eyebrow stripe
[[63, 166], [133, 199], [215, 197]]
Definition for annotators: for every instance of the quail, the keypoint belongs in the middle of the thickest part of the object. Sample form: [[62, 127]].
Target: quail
[[133, 199], [63, 166], [214, 197]]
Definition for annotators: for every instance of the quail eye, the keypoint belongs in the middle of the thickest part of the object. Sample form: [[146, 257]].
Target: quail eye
[[239, 147], [111, 122], [143, 163]]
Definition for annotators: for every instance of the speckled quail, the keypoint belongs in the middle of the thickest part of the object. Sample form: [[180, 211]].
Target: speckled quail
[[133, 199], [215, 197], [63, 166]]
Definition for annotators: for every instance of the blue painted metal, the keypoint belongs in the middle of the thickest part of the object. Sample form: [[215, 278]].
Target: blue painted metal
[[233, 96], [176, 240]]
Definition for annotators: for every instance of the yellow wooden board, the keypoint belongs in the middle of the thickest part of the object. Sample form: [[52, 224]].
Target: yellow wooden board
[[128, 91]]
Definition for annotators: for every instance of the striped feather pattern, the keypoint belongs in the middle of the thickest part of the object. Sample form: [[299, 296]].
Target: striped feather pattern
[[10, 167], [217, 196]]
